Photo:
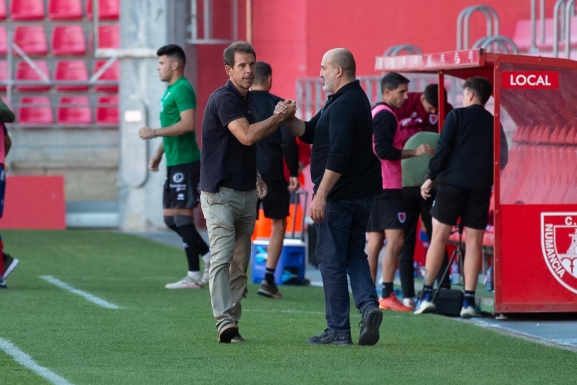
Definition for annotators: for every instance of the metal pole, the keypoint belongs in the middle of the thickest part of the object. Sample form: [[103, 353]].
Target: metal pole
[[235, 20], [249, 20], [534, 26], [542, 20], [193, 20], [95, 24], [568, 15], [556, 8], [206, 20]]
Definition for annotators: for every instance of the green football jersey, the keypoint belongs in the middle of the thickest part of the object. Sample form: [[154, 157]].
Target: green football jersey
[[177, 98]]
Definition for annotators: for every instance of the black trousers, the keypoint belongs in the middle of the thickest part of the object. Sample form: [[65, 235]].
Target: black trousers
[[416, 206]]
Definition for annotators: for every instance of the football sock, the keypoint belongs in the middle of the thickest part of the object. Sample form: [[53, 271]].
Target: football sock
[[428, 290], [387, 289], [190, 237], [269, 276], [470, 297]]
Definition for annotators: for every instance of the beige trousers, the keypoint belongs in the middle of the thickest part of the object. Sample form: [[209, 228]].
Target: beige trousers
[[230, 216]]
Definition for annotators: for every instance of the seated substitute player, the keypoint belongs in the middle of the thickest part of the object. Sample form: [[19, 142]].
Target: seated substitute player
[[464, 156]]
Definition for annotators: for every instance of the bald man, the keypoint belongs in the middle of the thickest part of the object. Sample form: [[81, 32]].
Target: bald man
[[346, 174]]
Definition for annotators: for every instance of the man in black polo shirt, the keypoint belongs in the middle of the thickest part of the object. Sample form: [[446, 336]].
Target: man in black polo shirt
[[269, 160], [347, 176], [229, 184], [464, 156]]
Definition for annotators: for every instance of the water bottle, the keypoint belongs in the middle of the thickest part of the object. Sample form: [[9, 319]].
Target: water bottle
[[489, 279], [455, 277]]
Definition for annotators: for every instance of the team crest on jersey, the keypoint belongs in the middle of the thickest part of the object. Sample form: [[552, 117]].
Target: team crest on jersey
[[559, 245], [178, 177], [402, 217], [433, 118]]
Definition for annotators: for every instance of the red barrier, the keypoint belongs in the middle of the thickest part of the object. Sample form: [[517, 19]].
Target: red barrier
[[34, 202]]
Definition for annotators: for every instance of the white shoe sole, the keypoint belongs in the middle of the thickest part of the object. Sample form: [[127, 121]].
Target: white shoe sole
[[171, 286], [11, 267]]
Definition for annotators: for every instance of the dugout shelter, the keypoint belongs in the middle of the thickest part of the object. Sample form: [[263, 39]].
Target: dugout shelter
[[535, 197]]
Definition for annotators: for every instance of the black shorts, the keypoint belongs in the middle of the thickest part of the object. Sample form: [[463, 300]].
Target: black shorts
[[181, 186], [388, 212], [453, 202], [277, 200]]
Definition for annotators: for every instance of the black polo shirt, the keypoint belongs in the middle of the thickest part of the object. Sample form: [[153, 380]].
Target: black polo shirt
[[341, 134], [226, 162]]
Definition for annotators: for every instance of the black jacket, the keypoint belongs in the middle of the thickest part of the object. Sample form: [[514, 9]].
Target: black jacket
[[341, 135]]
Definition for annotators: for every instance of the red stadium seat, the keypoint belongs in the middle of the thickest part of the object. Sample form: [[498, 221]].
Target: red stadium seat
[[4, 75], [31, 39], [26, 73], [3, 40], [111, 74], [107, 111], [27, 9], [68, 40], [35, 110], [74, 110], [109, 36], [107, 9], [71, 70], [65, 10], [2, 10]]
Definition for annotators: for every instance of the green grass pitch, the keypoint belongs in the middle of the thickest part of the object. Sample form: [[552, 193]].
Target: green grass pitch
[[162, 336]]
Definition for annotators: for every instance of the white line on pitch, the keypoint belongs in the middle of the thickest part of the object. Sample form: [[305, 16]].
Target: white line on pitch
[[282, 311], [27, 361], [83, 294]]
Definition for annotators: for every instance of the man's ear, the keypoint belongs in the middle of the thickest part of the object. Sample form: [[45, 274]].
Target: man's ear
[[339, 71], [228, 69]]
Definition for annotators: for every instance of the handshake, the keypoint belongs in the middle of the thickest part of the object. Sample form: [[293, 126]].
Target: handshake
[[287, 109]]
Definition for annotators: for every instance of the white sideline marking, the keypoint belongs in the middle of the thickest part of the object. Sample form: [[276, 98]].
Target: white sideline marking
[[27, 361], [73, 290], [282, 311]]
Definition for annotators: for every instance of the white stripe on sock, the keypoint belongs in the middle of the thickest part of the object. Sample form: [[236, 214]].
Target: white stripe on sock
[[27, 361], [83, 294]]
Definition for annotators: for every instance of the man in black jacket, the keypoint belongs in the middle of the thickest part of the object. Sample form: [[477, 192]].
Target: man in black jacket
[[464, 155], [269, 162], [346, 175]]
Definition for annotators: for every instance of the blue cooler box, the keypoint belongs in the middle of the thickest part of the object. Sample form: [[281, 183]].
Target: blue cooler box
[[290, 269]]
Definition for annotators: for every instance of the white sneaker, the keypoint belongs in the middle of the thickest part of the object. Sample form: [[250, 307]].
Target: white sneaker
[[468, 311], [408, 302], [425, 305], [205, 275], [186, 283]]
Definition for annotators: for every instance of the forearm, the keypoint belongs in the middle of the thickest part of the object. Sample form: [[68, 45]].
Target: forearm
[[159, 150], [261, 130], [330, 179], [296, 126], [7, 144], [176, 129], [408, 154]]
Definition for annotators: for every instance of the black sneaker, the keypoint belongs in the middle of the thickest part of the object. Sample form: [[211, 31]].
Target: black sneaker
[[227, 331], [372, 318], [9, 264], [269, 290], [330, 337], [237, 339]]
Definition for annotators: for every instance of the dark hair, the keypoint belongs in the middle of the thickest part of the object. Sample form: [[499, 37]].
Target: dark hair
[[237, 46], [480, 87], [392, 81], [262, 73], [432, 94], [172, 51]]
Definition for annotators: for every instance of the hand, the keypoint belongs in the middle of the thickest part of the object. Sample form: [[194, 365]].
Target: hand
[[293, 184], [426, 189], [154, 162], [424, 149], [260, 187], [318, 208], [146, 133], [291, 106]]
